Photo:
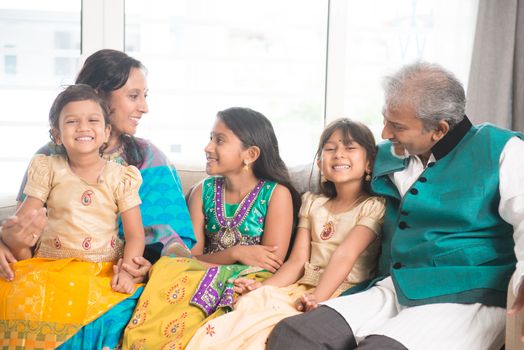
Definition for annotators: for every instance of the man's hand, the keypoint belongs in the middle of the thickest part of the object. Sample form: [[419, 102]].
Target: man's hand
[[517, 306]]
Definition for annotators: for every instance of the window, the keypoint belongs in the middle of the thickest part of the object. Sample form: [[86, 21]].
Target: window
[[380, 36], [205, 55], [10, 64], [37, 62], [286, 59], [65, 66]]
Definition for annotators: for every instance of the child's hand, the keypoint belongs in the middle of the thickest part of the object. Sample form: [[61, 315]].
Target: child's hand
[[245, 285], [139, 274], [306, 302], [259, 255], [123, 282]]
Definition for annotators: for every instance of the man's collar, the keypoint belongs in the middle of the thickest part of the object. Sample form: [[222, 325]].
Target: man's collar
[[451, 139]]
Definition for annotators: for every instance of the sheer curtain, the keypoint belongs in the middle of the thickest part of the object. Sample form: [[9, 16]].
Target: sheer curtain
[[496, 82]]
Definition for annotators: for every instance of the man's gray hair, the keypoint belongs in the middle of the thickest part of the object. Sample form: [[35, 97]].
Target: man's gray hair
[[434, 93]]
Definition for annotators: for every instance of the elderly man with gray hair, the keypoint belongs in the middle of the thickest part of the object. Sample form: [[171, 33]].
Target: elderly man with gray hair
[[454, 220]]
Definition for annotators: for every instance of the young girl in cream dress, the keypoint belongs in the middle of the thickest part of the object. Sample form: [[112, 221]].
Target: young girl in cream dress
[[336, 246], [70, 281]]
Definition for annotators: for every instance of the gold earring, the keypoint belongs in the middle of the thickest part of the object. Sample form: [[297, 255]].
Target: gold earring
[[246, 166], [323, 178], [367, 177]]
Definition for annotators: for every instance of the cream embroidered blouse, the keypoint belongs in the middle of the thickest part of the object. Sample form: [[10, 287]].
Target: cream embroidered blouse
[[82, 216], [314, 216]]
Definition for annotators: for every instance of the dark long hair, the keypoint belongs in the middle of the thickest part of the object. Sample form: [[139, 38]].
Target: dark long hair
[[352, 131], [74, 93], [254, 129], [106, 71]]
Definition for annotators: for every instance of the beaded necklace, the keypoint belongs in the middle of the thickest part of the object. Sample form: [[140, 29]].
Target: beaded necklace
[[229, 233]]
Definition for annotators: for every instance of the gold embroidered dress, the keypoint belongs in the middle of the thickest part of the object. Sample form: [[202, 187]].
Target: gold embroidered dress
[[67, 284], [256, 313]]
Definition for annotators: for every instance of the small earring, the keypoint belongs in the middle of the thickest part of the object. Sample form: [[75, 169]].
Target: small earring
[[367, 177], [246, 166], [323, 178]]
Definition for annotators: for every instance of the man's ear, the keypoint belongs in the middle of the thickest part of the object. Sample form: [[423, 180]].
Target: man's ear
[[441, 130]]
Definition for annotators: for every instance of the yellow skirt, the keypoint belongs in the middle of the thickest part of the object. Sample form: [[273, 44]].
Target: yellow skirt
[[164, 317], [50, 300]]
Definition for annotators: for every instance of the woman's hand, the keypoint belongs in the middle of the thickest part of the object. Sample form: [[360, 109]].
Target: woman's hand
[[23, 231], [245, 285], [138, 274], [306, 302], [259, 255], [6, 257]]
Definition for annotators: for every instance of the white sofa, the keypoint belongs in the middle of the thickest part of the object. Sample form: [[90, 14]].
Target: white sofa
[[189, 175], [303, 180]]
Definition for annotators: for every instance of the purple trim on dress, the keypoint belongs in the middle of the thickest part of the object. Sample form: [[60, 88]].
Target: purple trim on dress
[[227, 298], [205, 297], [229, 234], [208, 297], [242, 209]]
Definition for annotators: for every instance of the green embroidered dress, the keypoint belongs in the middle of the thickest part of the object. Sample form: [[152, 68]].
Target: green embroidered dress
[[182, 293]]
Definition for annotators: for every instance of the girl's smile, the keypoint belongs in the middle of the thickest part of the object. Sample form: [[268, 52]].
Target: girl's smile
[[81, 128]]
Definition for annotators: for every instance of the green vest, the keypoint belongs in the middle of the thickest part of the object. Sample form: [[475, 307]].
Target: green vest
[[444, 241]]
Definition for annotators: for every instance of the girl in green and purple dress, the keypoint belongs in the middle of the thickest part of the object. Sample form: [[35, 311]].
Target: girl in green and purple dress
[[243, 217]]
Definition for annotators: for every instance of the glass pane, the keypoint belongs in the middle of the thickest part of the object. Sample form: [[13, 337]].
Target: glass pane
[[383, 35], [205, 55], [40, 46]]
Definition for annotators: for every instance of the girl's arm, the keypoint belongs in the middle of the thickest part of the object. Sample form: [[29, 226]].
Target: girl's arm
[[134, 235], [293, 269], [21, 233], [290, 272], [342, 261], [196, 211], [275, 240]]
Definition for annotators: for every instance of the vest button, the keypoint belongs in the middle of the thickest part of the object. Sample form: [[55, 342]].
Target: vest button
[[397, 265], [430, 165], [404, 213], [422, 179], [413, 191], [402, 225]]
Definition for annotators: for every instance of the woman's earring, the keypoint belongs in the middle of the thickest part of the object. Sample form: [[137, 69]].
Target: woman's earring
[[246, 166], [367, 177], [323, 178]]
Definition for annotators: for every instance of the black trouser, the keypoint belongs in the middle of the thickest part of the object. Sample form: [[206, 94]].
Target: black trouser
[[323, 328]]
